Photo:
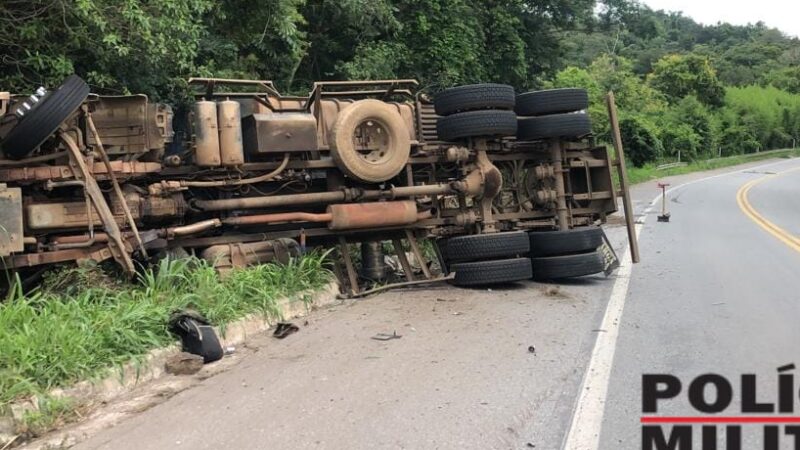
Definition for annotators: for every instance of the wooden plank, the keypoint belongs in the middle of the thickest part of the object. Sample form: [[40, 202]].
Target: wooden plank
[[623, 176]]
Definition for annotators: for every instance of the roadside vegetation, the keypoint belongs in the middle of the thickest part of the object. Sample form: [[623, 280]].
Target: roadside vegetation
[[685, 90], [650, 172], [65, 332]]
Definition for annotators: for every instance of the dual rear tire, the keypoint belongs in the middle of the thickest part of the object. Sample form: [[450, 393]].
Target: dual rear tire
[[553, 114], [477, 110], [487, 259], [567, 254]]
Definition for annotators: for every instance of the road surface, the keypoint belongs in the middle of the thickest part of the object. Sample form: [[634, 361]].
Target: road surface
[[715, 292]]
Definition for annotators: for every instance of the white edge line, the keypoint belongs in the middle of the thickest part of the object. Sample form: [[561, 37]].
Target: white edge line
[[587, 417]]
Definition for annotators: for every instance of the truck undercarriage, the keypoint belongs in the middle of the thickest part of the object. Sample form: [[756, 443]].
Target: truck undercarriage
[[246, 175]]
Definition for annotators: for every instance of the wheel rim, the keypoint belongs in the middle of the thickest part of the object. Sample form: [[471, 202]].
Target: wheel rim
[[372, 141]]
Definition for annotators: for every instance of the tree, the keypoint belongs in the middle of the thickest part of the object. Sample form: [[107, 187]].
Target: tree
[[786, 78], [117, 46], [680, 75], [691, 113], [682, 142], [641, 143]]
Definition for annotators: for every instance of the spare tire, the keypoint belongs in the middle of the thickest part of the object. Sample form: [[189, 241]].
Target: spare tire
[[472, 97], [553, 101], [568, 266], [45, 118], [573, 125], [369, 141], [482, 273], [577, 240], [487, 123], [477, 247]]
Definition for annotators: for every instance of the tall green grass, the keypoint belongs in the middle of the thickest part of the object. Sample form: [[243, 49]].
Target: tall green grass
[[55, 338]]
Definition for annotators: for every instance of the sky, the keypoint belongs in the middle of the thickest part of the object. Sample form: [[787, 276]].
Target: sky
[[781, 14]]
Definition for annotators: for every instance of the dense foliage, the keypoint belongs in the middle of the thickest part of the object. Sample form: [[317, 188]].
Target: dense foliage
[[686, 88]]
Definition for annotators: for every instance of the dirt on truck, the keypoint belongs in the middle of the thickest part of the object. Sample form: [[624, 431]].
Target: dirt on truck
[[508, 187]]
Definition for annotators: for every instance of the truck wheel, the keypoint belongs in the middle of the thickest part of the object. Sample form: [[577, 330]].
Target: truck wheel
[[472, 97], [487, 123], [577, 240], [487, 246], [553, 101], [567, 266], [481, 273], [45, 118], [572, 125], [369, 141]]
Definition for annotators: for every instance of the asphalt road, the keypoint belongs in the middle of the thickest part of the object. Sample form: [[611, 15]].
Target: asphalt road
[[714, 293]]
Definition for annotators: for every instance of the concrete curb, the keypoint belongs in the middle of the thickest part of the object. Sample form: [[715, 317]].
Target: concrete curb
[[151, 367]]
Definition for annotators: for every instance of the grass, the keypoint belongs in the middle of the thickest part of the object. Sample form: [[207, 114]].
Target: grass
[[649, 172], [78, 326]]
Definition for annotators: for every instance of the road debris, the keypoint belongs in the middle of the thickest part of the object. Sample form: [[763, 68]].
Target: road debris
[[284, 329], [386, 336], [183, 363], [196, 334]]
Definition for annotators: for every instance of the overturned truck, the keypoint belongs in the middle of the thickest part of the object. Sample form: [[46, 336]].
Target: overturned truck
[[509, 187]]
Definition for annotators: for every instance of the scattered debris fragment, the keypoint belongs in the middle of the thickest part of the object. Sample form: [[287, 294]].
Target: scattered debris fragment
[[284, 329], [183, 363], [196, 334], [386, 336], [553, 291]]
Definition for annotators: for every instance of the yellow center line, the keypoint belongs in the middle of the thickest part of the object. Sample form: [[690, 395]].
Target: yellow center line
[[744, 204]]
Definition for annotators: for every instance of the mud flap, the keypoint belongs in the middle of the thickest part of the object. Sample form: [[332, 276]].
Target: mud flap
[[609, 256]]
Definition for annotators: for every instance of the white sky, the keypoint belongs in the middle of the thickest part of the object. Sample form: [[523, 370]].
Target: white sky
[[781, 14]]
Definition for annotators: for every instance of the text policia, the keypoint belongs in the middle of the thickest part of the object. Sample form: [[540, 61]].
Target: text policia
[[719, 414]]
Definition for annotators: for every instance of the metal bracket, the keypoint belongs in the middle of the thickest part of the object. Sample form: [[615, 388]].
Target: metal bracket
[[81, 172]]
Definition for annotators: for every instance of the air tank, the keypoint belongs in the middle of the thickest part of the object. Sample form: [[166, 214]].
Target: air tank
[[229, 115], [206, 135]]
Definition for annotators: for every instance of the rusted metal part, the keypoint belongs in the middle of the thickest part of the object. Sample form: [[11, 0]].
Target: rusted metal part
[[124, 169], [412, 242], [344, 253], [229, 121], [58, 241], [97, 253], [372, 215], [206, 132], [623, 176], [280, 132], [186, 230], [115, 184], [239, 182], [408, 283], [556, 158], [345, 195], [115, 244], [401, 256], [130, 124], [33, 160], [278, 217], [226, 257], [11, 237], [66, 215], [492, 183]]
